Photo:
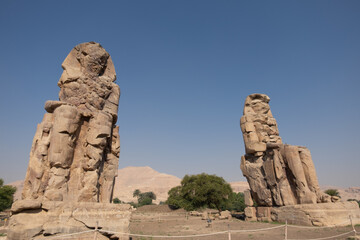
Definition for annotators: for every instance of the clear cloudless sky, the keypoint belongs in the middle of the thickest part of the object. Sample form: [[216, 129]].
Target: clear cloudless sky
[[184, 69]]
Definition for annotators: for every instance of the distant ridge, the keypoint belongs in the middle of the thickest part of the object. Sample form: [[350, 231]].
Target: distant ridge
[[147, 179]]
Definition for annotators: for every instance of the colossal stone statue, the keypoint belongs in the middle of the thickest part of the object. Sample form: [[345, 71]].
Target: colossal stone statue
[[74, 156], [282, 177], [278, 174], [75, 152]]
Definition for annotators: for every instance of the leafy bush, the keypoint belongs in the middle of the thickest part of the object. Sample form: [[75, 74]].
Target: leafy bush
[[236, 202], [6, 195], [200, 191], [117, 200], [332, 192], [144, 201]]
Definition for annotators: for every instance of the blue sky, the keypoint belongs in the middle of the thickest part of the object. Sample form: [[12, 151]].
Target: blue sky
[[185, 69]]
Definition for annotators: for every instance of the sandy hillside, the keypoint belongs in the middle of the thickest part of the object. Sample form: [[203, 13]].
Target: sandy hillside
[[147, 179]]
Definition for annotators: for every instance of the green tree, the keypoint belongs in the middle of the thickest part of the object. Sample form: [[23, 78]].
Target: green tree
[[236, 202], [136, 193], [116, 200], [198, 191], [332, 192], [6, 195], [175, 199], [146, 198], [144, 201]]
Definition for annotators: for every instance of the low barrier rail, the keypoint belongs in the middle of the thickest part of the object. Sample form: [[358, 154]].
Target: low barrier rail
[[229, 233]]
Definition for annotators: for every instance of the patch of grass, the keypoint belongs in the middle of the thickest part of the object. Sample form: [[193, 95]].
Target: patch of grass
[[250, 236], [2, 234]]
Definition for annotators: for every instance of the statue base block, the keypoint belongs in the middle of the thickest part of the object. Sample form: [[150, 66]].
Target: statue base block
[[320, 214], [35, 219]]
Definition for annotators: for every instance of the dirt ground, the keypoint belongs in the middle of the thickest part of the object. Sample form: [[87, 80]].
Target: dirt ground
[[157, 220], [160, 220]]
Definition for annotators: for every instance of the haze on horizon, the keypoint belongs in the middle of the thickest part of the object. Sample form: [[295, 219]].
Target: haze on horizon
[[185, 69]]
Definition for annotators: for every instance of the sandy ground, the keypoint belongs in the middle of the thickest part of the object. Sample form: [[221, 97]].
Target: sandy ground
[[175, 223]]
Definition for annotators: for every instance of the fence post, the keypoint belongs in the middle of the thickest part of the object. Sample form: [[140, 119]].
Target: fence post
[[352, 225], [286, 229], [229, 233], [96, 230]]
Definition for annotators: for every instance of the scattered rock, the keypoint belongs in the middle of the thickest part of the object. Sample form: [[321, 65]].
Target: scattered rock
[[195, 213], [225, 215], [335, 198]]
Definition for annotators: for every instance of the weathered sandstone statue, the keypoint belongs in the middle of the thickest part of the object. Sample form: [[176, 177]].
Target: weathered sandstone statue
[[278, 174], [75, 152]]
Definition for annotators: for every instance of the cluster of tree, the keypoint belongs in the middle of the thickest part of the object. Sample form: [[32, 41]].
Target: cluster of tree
[[6, 195], [205, 191], [145, 198]]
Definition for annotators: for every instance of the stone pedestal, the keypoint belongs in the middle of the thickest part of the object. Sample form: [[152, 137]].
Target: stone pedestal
[[51, 218], [258, 214], [321, 214]]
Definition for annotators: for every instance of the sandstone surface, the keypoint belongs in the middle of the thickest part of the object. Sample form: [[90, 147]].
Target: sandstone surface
[[59, 217], [321, 214], [75, 151]]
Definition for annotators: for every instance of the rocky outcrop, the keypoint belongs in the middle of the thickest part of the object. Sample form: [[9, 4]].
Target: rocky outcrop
[[75, 152], [278, 174]]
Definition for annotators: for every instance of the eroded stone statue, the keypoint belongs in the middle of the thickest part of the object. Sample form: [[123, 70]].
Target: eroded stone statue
[[278, 174], [282, 175], [75, 152]]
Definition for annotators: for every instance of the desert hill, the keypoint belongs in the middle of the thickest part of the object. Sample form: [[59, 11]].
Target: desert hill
[[147, 179]]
